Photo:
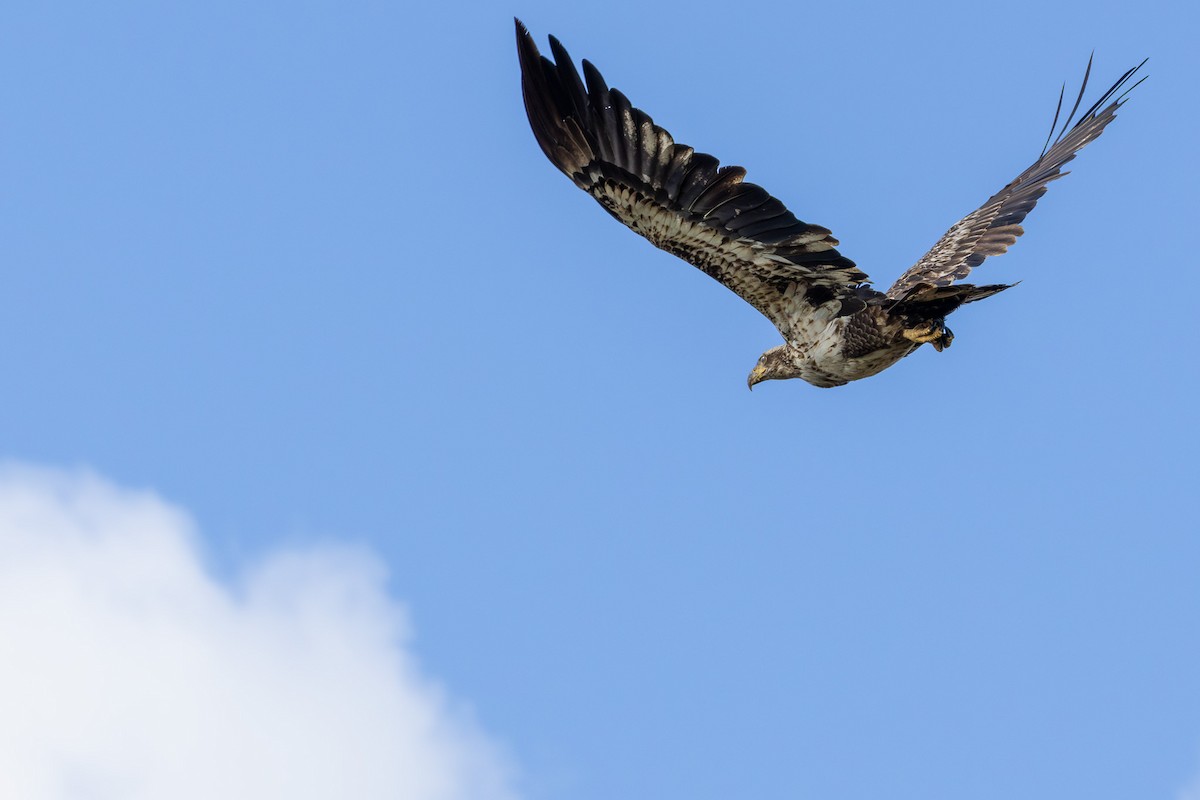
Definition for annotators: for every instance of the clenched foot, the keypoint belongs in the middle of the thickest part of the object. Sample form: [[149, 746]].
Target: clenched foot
[[943, 341], [934, 332]]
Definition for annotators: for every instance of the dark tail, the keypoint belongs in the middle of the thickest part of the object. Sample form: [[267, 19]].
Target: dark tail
[[939, 302]]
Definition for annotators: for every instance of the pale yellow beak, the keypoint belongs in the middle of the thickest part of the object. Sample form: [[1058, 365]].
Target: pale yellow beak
[[756, 376]]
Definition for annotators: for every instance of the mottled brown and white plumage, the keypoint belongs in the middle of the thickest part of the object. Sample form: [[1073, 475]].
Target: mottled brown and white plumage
[[836, 328]]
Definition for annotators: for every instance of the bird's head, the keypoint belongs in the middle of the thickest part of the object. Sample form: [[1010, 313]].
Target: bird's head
[[772, 365]]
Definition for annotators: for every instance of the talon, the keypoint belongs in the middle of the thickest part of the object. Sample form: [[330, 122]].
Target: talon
[[926, 332], [933, 332], [943, 341]]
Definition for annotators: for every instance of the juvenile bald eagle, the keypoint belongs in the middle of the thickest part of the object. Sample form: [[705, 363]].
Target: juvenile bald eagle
[[836, 328]]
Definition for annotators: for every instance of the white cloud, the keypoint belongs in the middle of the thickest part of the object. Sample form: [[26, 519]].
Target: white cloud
[[1191, 792], [126, 671]]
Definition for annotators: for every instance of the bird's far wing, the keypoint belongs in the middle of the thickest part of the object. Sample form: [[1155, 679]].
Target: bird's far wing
[[994, 227], [680, 200]]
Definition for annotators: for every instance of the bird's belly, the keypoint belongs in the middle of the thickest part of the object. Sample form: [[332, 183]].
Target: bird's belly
[[827, 367]]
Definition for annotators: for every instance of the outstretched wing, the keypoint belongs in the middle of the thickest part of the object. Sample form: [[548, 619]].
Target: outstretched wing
[[681, 200], [995, 226]]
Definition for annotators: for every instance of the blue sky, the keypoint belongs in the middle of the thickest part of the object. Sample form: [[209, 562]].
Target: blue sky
[[302, 271]]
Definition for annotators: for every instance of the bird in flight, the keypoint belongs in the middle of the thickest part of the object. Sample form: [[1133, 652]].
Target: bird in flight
[[836, 328]]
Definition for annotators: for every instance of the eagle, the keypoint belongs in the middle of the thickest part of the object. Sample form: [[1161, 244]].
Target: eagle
[[836, 327]]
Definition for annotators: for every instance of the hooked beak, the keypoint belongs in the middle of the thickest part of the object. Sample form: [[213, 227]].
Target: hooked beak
[[756, 376]]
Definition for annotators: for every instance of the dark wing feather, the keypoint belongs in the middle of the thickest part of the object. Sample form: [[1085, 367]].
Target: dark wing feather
[[682, 201], [994, 227]]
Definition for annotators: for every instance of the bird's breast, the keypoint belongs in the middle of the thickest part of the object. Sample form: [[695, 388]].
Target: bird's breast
[[847, 349]]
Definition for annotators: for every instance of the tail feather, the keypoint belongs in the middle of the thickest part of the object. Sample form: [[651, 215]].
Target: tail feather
[[938, 302]]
